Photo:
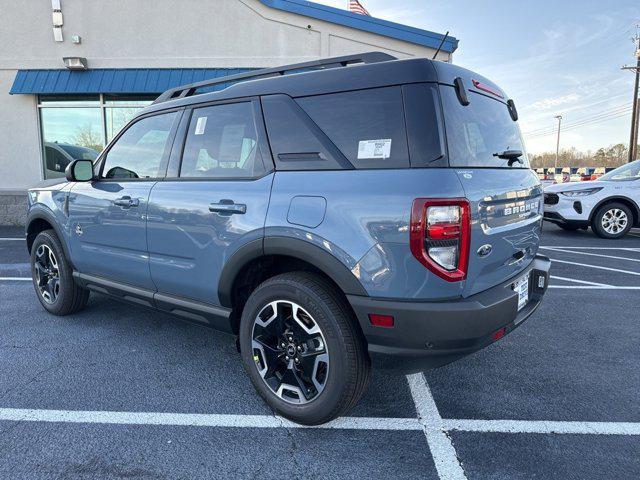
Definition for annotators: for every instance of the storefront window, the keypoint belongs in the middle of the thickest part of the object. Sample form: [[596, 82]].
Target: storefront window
[[120, 109], [78, 127]]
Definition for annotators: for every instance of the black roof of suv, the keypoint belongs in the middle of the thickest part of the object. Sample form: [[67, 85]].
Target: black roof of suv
[[367, 70]]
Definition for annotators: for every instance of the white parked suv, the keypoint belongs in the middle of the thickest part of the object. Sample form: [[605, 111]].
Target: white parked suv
[[609, 205]]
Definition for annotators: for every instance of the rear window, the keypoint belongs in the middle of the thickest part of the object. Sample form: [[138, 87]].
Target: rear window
[[476, 131], [368, 126]]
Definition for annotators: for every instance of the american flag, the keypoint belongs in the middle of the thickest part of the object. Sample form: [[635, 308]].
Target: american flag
[[355, 7]]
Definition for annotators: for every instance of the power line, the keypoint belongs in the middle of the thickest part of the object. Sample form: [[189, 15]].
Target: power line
[[584, 124], [615, 109]]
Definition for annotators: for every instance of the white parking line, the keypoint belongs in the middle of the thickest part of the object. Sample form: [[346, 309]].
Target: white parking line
[[198, 419], [629, 249], [424, 401], [591, 254], [535, 426], [593, 287], [580, 281], [12, 239], [596, 266], [442, 450], [15, 279]]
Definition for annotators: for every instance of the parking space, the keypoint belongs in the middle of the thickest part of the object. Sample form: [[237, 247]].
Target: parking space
[[122, 392]]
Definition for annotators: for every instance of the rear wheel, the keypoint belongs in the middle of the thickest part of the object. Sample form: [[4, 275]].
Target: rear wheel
[[612, 220], [301, 348], [53, 277]]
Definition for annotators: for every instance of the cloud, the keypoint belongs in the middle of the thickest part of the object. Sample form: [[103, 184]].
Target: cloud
[[548, 103]]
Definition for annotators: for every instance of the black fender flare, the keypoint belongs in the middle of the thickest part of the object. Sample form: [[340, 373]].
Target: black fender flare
[[42, 213], [613, 199], [291, 247]]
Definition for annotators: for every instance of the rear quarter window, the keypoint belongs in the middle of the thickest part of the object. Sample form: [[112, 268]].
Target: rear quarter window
[[367, 126]]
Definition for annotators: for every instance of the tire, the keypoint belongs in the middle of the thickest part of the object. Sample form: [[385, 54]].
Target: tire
[[49, 267], [335, 379], [612, 220], [568, 228]]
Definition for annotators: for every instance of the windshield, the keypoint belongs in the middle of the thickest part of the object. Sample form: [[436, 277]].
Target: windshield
[[630, 171], [79, 153], [479, 130]]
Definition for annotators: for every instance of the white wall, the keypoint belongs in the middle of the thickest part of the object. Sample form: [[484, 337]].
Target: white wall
[[153, 33]]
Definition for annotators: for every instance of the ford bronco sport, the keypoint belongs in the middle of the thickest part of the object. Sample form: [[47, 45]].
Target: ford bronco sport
[[331, 215]]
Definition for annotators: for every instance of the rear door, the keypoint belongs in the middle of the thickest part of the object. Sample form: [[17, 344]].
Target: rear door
[[505, 194], [108, 215], [211, 204]]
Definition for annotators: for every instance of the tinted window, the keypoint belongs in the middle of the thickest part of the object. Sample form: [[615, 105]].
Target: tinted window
[[425, 132], [296, 141], [476, 131], [222, 142], [139, 152], [55, 160], [366, 125]]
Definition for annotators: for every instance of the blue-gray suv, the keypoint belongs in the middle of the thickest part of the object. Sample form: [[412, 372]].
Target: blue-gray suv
[[330, 215]]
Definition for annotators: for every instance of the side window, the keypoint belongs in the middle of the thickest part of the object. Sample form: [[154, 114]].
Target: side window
[[141, 149], [367, 126], [296, 141], [55, 160], [425, 132], [222, 142]]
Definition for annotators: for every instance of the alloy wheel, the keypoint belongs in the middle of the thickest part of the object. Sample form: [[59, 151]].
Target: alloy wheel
[[614, 221], [47, 274], [290, 352]]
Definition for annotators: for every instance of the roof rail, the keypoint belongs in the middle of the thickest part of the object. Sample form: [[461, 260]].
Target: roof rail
[[335, 62]]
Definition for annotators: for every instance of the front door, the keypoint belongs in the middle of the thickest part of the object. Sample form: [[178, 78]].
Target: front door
[[107, 216], [216, 203]]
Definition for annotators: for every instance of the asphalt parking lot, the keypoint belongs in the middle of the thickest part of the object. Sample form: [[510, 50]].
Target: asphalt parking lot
[[122, 392]]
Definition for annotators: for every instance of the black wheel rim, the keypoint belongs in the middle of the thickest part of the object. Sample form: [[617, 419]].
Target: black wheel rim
[[290, 352], [47, 274]]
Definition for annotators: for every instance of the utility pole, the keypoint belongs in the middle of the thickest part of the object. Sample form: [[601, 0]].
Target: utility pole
[[635, 114], [559, 118]]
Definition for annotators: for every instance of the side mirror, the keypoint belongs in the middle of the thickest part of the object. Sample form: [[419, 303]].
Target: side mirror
[[79, 171]]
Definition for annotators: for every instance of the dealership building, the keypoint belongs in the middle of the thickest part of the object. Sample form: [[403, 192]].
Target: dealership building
[[73, 72]]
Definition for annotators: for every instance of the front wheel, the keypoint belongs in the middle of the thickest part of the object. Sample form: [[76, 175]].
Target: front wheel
[[301, 348], [53, 277], [612, 221]]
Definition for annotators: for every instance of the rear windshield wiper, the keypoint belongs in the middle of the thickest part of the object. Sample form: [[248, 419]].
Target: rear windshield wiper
[[511, 155]]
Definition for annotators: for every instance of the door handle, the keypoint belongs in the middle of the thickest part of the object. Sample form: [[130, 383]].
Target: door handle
[[227, 207], [126, 202]]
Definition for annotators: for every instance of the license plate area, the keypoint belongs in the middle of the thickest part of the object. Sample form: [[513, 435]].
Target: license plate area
[[521, 287]]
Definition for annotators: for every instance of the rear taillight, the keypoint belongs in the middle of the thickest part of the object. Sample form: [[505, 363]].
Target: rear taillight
[[440, 235]]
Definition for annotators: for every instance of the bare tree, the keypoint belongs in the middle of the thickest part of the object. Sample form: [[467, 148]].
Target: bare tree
[[88, 136]]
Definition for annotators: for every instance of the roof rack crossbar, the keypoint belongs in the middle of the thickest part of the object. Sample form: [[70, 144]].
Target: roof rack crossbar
[[335, 62]]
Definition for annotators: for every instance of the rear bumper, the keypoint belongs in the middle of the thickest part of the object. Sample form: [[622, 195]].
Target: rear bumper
[[427, 335]]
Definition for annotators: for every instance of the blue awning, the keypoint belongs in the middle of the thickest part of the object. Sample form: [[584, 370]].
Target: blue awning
[[113, 80]]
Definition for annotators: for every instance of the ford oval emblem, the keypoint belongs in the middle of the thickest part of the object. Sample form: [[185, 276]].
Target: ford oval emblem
[[485, 250]]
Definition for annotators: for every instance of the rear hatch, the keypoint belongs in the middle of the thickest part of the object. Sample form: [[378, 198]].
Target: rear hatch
[[505, 195]]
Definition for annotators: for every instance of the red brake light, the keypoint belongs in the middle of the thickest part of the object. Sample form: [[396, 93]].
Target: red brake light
[[486, 88], [439, 239]]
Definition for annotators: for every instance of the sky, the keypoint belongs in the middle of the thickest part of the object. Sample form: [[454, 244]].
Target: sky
[[559, 57]]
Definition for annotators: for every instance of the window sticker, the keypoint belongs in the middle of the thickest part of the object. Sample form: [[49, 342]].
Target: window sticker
[[200, 125], [374, 149]]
